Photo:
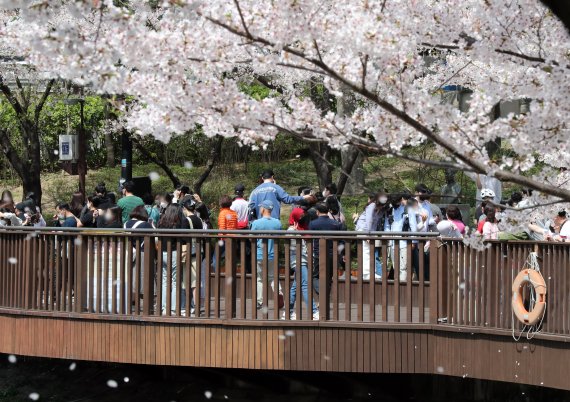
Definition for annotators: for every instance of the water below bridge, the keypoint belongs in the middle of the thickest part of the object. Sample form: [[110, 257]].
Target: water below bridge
[[25, 379]]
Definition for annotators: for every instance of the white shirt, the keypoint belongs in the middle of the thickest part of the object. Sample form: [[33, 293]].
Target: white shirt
[[565, 230], [240, 206], [489, 182]]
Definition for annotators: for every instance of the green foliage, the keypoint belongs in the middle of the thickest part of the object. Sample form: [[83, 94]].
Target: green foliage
[[60, 190], [255, 90], [54, 121]]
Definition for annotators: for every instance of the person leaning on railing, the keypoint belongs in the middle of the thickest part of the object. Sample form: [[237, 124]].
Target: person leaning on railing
[[8, 217], [266, 223], [65, 217], [195, 223], [172, 218], [561, 226], [323, 223]]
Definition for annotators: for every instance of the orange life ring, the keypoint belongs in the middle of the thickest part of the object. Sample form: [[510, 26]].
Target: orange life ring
[[534, 278]]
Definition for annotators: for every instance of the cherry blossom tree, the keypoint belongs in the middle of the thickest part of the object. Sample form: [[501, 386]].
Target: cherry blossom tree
[[183, 61]]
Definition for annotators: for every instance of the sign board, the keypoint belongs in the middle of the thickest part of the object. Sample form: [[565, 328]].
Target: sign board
[[67, 147]]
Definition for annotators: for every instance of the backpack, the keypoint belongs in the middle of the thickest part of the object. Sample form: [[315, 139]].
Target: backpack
[[251, 215], [406, 225]]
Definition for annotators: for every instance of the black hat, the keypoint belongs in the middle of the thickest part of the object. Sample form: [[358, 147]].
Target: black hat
[[267, 174], [240, 188]]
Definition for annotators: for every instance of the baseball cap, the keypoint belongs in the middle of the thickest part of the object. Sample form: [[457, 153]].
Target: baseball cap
[[267, 205], [296, 215], [240, 188]]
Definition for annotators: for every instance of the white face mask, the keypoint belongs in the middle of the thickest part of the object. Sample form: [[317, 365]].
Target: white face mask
[[383, 200], [108, 217], [163, 204]]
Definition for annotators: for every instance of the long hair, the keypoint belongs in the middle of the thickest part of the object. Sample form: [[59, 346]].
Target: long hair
[[171, 218], [117, 215], [6, 206], [490, 214], [77, 202], [9, 194]]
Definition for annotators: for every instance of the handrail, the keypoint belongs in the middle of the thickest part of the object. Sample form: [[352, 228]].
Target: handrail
[[94, 272], [219, 232]]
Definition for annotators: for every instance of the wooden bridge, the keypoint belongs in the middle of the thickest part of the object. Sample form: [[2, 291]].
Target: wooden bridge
[[93, 295]]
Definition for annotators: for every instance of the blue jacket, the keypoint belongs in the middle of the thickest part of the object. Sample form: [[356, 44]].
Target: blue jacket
[[273, 193]]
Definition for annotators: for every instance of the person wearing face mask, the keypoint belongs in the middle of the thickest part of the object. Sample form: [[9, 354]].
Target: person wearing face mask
[[368, 222], [269, 191], [164, 201], [180, 194], [87, 218], [65, 217], [33, 218], [424, 218], [404, 218]]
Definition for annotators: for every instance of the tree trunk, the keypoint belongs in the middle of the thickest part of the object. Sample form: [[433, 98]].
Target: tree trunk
[[352, 174], [28, 163], [215, 153], [171, 175], [320, 154], [110, 148], [31, 182]]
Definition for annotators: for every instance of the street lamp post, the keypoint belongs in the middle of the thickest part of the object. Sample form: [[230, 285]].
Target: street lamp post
[[126, 157]]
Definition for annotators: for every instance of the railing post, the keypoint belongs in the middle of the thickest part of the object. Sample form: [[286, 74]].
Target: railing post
[[491, 285], [80, 270], [324, 283], [434, 281], [148, 275], [28, 272], [230, 277]]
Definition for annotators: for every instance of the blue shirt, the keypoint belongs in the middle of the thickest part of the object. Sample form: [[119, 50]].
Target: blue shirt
[[69, 222], [266, 224], [273, 193]]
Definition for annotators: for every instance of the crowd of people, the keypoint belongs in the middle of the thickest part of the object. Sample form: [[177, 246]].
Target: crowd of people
[[398, 212]]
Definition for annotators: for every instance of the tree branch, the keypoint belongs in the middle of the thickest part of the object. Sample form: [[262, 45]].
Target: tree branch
[[242, 18], [11, 154], [41, 103], [215, 153], [140, 147], [521, 55], [477, 167], [10, 97]]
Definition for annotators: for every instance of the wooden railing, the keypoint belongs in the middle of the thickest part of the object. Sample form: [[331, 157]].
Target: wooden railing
[[476, 285], [130, 274]]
